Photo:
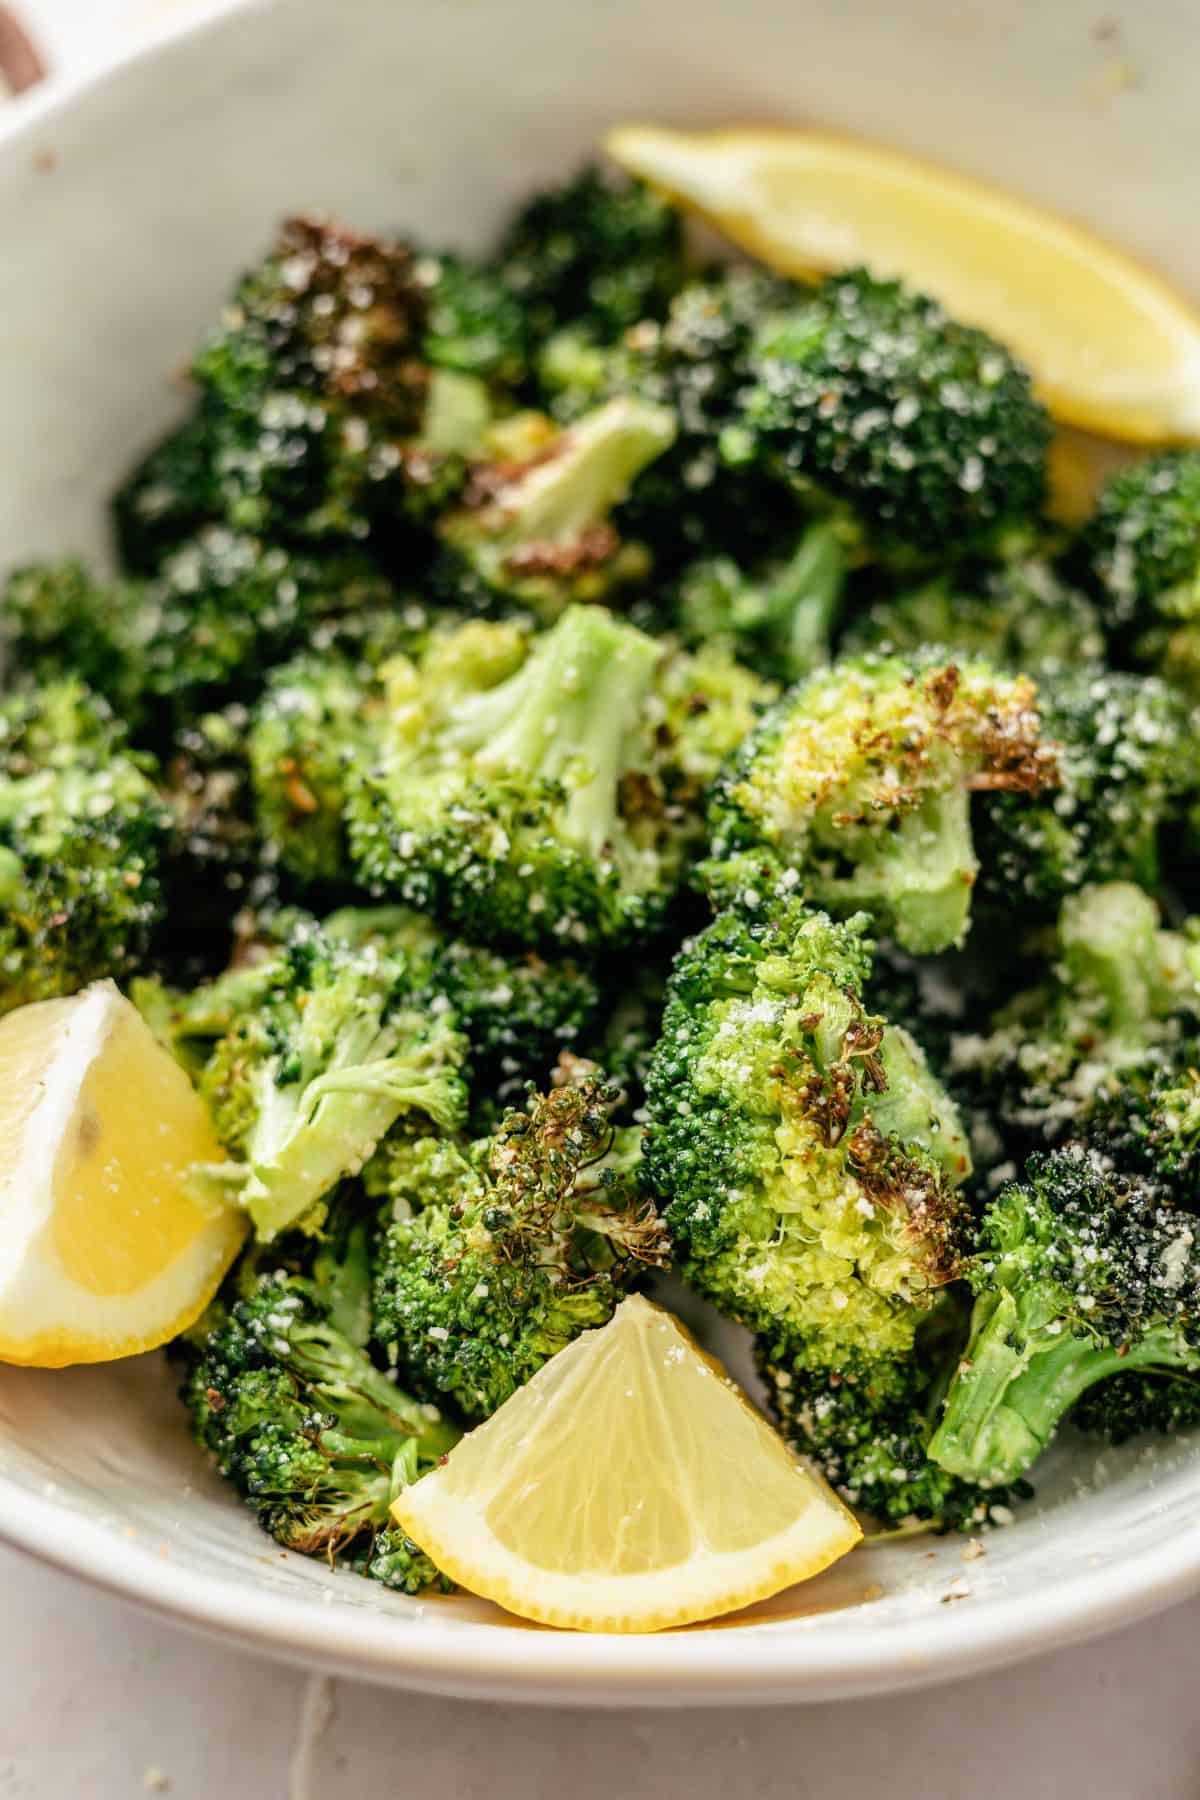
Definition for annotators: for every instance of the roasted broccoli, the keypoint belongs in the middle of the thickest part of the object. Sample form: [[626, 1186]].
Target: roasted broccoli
[[203, 632], [337, 1047], [475, 323], [1128, 773], [867, 392], [693, 500], [1018, 615], [868, 1429], [306, 1428], [806, 1156], [860, 782], [513, 1249], [1142, 550], [546, 791], [780, 619], [83, 835], [534, 525], [1080, 1274], [1117, 994], [600, 252]]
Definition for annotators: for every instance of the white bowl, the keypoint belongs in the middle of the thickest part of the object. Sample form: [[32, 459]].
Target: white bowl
[[127, 204]]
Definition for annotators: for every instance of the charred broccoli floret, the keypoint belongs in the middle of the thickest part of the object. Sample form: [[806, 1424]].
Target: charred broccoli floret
[[1018, 615], [866, 391], [525, 1242], [534, 523], [546, 791], [309, 1432], [1142, 549], [694, 500], [806, 1156], [860, 782], [600, 251], [1080, 1274], [1128, 771], [304, 1084]]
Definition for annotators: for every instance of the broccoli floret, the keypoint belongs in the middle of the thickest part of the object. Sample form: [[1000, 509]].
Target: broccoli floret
[[694, 500], [1018, 615], [1146, 1117], [780, 620], [868, 1429], [535, 527], [517, 1012], [169, 496], [551, 793], [805, 1154], [304, 1085], [866, 391], [83, 835], [310, 1433], [476, 325], [1115, 998], [1142, 549], [313, 721], [1150, 1400], [534, 1239], [600, 251], [219, 611], [1128, 770], [860, 782], [1080, 1274]]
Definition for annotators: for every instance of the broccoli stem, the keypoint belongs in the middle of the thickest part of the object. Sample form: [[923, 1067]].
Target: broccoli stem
[[1016, 1384], [806, 597], [566, 715]]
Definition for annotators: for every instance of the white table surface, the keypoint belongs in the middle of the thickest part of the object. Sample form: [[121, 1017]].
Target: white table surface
[[100, 1702]]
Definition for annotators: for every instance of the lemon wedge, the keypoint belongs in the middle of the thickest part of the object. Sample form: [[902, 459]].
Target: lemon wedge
[[1112, 347], [630, 1486], [103, 1250]]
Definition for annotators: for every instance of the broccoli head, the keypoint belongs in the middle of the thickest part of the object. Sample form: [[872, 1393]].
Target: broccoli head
[[695, 500], [1080, 1274], [1128, 772], [476, 325], [806, 1155], [601, 252], [83, 835], [514, 1249], [533, 525], [336, 1049], [860, 781], [1018, 615], [1116, 996], [548, 790], [220, 609], [866, 391], [1142, 550], [306, 1428]]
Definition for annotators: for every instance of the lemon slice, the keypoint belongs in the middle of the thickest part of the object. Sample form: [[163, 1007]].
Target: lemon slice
[[630, 1486], [103, 1251], [1111, 346]]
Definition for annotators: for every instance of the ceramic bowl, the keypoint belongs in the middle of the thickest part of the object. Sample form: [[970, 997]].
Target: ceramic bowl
[[126, 204]]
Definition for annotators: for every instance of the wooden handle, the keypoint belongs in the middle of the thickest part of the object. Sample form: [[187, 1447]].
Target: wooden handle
[[20, 64]]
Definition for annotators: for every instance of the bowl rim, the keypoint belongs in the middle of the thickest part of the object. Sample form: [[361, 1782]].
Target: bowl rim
[[772, 1664], [776, 1663]]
